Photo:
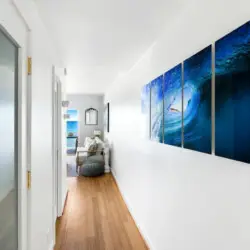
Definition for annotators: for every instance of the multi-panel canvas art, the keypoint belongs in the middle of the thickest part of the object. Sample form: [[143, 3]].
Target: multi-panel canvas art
[[232, 95], [172, 88], [179, 103], [197, 101], [145, 110], [157, 109]]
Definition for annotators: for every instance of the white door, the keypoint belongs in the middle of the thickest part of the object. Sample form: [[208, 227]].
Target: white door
[[57, 123], [55, 145], [8, 144]]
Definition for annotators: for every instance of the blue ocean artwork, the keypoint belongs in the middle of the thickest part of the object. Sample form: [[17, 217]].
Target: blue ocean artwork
[[172, 88], [145, 110], [197, 101], [157, 109], [72, 128], [232, 95]]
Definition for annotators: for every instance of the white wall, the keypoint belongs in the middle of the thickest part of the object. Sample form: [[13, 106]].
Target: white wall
[[17, 21], [179, 198], [82, 102]]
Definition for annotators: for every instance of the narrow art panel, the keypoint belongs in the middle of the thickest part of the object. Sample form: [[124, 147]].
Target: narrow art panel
[[157, 109], [172, 88], [197, 101], [145, 110], [232, 95]]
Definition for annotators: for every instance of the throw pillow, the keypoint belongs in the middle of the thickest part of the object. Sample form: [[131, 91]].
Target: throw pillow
[[92, 148], [100, 144]]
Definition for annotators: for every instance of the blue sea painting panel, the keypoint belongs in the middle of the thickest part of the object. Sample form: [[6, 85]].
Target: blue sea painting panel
[[157, 109], [172, 88], [232, 95], [197, 101], [72, 128], [145, 110]]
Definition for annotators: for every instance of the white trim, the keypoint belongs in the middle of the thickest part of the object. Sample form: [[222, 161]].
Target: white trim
[[28, 136], [52, 245], [21, 149], [22, 158], [55, 153], [59, 146], [57, 142], [21, 135], [141, 230], [64, 201]]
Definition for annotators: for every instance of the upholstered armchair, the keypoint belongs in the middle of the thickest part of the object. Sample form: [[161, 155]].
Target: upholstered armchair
[[91, 158]]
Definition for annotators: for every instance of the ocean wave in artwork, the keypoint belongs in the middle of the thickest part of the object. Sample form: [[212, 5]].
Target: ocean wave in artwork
[[197, 101], [173, 106], [157, 109]]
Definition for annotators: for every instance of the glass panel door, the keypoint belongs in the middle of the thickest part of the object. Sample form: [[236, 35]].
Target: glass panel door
[[8, 145]]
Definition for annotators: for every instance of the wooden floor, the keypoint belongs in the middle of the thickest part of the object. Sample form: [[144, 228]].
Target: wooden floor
[[96, 218]]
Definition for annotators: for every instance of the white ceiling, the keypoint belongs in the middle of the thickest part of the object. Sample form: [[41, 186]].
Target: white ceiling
[[101, 39]]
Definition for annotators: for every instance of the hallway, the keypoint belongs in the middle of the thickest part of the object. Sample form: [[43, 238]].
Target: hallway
[[96, 218]]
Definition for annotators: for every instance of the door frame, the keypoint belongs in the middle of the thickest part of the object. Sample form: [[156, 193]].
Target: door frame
[[55, 142], [21, 121], [57, 147]]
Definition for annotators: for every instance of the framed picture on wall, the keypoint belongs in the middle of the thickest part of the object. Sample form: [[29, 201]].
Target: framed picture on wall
[[106, 117], [91, 116]]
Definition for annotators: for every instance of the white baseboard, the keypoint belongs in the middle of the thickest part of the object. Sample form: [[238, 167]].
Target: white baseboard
[[64, 202], [52, 245], [141, 230]]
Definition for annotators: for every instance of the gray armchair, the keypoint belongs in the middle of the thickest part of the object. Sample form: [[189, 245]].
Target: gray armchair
[[90, 162]]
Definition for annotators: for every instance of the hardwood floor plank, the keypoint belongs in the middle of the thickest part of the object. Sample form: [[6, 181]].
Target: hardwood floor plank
[[96, 218]]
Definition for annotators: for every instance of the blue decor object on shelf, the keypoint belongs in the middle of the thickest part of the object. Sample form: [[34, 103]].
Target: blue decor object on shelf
[[145, 110], [232, 95], [172, 88], [157, 109], [197, 101]]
